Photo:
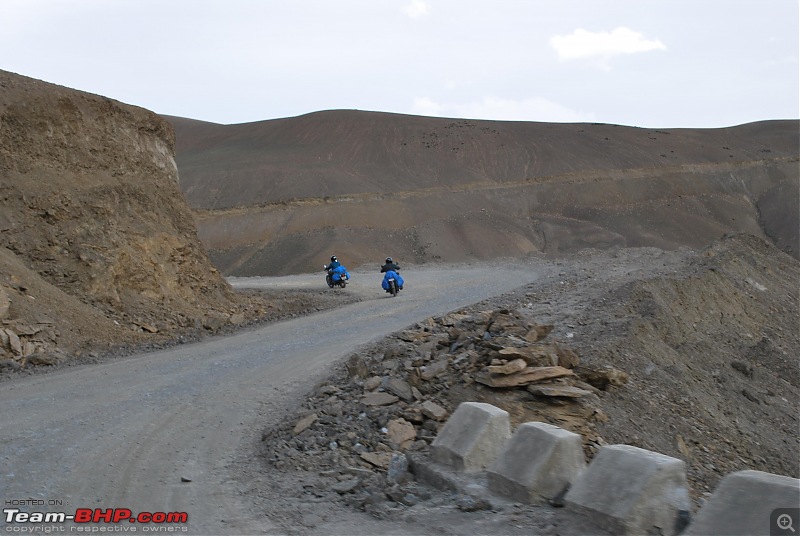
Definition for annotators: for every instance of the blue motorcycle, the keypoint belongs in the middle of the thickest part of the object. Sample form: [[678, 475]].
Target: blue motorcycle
[[392, 282]]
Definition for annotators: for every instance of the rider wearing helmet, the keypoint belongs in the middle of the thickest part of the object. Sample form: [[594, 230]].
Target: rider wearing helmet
[[390, 265], [334, 264]]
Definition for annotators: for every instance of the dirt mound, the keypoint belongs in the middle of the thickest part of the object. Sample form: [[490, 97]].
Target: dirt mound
[[691, 354], [98, 247], [711, 352], [364, 185]]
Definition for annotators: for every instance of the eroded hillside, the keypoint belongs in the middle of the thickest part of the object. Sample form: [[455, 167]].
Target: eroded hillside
[[280, 196], [97, 244]]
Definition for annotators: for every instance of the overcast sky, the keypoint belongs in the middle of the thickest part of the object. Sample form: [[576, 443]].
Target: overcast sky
[[647, 63]]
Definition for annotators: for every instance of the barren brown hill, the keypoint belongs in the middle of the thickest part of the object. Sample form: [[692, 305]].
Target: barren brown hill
[[97, 245], [280, 196]]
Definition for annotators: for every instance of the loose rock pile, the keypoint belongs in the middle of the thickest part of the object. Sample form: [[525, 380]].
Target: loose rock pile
[[25, 342], [22, 344], [396, 396]]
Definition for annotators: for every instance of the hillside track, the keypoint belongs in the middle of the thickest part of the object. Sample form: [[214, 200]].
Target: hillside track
[[164, 431], [487, 186]]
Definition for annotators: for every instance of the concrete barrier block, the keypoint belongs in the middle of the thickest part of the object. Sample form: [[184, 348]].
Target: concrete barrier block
[[537, 463], [472, 437], [749, 503], [629, 490]]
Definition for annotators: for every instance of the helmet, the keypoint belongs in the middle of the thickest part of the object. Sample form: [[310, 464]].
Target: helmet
[[389, 260], [333, 258]]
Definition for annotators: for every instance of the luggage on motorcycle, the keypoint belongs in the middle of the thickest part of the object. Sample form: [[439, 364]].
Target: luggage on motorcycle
[[392, 282], [340, 273], [337, 277]]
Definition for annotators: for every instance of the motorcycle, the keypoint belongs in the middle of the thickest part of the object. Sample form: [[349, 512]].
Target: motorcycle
[[392, 283], [338, 277]]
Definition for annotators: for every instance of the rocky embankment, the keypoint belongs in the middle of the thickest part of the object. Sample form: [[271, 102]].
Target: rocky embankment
[[690, 354], [396, 397]]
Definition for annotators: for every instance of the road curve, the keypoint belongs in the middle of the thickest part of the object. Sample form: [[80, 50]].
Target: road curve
[[157, 432]]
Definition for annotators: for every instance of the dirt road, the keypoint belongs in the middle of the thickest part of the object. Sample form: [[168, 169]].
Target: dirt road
[[164, 431]]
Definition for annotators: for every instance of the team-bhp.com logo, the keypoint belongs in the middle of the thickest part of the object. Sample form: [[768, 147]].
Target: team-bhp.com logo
[[87, 518]]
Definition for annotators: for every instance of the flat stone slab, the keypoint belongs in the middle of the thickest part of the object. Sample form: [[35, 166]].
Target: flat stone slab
[[472, 437], [379, 399], [629, 490], [537, 463], [750, 503], [524, 377]]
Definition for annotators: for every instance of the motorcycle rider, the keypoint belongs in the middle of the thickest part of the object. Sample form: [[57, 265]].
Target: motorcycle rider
[[390, 265], [334, 264], [331, 273]]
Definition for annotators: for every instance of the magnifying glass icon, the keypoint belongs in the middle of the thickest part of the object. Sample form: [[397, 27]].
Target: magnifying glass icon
[[784, 522]]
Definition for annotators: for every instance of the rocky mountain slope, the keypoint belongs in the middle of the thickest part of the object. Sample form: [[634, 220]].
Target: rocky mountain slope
[[280, 196], [98, 247]]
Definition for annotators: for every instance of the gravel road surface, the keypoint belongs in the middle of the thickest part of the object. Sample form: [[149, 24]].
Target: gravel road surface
[[164, 431]]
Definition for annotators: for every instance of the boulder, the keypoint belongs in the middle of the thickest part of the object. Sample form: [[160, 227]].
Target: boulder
[[524, 377], [538, 463], [472, 437], [378, 399], [628, 490], [398, 387], [304, 423], [400, 433], [750, 502], [434, 411]]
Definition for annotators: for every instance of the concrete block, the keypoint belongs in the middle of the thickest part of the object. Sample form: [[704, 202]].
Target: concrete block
[[745, 503], [472, 437], [537, 463], [628, 490]]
